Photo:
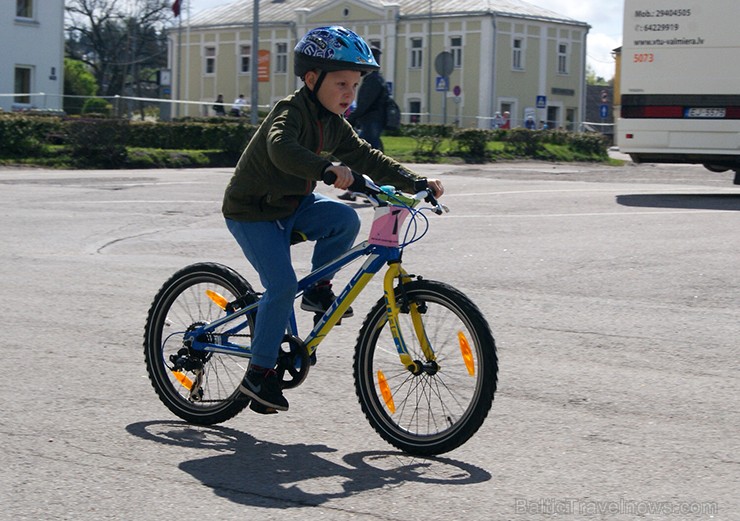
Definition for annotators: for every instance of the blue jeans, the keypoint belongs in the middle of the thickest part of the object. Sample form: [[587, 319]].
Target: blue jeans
[[266, 244], [370, 131]]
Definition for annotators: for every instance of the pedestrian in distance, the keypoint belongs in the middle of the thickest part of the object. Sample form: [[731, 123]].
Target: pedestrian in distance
[[238, 106], [368, 116], [506, 125], [218, 107]]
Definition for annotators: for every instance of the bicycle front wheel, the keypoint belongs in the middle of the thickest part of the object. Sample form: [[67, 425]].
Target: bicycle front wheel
[[440, 405], [199, 387]]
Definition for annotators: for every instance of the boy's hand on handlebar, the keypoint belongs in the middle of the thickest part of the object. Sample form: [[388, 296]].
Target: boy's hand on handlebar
[[343, 175], [436, 187]]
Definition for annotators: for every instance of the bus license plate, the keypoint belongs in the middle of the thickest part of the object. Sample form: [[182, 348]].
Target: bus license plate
[[704, 112]]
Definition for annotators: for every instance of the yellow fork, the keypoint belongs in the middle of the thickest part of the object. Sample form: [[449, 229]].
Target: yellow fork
[[395, 271]]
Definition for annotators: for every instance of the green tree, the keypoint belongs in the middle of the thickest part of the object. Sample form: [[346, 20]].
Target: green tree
[[123, 43], [593, 79], [78, 81]]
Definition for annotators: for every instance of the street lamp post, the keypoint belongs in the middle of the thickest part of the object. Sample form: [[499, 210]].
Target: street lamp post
[[254, 58], [179, 63], [429, 68]]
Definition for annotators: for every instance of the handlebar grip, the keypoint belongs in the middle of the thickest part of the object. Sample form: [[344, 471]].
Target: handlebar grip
[[358, 184], [423, 184], [329, 177]]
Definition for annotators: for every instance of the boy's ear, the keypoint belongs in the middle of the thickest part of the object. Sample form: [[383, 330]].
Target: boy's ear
[[310, 79]]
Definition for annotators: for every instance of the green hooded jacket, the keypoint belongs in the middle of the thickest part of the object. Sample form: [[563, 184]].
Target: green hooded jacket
[[290, 151]]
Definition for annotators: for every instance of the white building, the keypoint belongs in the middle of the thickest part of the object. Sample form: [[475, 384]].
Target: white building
[[32, 57], [509, 55]]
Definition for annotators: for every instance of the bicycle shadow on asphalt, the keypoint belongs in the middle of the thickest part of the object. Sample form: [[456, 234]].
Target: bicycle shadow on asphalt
[[253, 472], [726, 202]]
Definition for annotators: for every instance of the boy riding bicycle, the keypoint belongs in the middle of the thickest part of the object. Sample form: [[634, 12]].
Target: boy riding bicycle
[[272, 192]]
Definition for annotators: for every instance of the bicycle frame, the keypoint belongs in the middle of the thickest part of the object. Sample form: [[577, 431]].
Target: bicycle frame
[[205, 338]]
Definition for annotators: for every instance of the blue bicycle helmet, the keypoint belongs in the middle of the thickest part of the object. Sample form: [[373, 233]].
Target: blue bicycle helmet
[[333, 49]]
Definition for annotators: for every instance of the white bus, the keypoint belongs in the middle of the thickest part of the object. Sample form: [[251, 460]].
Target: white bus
[[680, 83]]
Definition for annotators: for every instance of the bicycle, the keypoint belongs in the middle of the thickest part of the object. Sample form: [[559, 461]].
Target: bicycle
[[425, 365]]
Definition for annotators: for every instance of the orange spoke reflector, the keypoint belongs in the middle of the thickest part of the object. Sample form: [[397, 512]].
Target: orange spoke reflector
[[186, 382], [218, 299], [467, 353], [386, 392]]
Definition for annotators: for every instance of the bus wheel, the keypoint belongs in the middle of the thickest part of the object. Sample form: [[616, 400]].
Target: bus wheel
[[716, 168]]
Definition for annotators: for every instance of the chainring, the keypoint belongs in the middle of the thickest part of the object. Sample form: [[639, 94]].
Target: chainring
[[293, 362]]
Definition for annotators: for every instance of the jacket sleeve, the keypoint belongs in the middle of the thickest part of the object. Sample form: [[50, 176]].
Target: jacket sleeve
[[291, 145], [357, 154]]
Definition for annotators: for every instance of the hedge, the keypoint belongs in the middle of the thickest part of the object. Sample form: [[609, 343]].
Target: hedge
[[105, 142], [23, 136]]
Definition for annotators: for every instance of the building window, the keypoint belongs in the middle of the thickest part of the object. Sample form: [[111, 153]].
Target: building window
[[23, 84], [210, 53], [374, 43], [517, 54], [570, 119], [456, 50], [415, 111], [507, 112], [246, 56], [24, 8], [417, 54], [281, 58], [562, 58]]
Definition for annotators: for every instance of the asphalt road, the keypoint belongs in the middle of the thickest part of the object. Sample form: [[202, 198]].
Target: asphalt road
[[613, 294]]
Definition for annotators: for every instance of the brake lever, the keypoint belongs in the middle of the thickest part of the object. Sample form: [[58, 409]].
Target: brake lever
[[437, 208]]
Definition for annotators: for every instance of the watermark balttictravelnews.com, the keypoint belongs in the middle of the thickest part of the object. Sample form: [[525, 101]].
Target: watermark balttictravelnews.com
[[625, 506]]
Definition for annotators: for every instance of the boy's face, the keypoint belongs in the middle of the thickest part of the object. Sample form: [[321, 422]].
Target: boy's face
[[337, 92]]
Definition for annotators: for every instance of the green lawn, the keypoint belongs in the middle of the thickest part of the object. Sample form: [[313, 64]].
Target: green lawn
[[402, 149]]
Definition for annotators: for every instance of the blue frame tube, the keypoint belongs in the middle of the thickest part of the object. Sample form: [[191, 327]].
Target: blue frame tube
[[378, 256]]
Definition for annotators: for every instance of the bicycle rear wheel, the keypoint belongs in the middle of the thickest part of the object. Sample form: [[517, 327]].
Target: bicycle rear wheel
[[199, 387], [441, 407]]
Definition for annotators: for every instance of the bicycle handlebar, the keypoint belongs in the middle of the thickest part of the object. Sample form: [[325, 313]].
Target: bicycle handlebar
[[363, 184]]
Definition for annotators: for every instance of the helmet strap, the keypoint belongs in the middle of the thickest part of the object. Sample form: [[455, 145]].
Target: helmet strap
[[312, 93], [319, 81]]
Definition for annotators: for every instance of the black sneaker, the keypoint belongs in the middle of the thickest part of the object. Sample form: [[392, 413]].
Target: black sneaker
[[264, 388], [261, 409], [320, 298]]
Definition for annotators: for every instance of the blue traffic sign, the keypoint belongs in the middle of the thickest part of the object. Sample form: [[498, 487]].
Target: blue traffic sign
[[541, 102], [442, 84], [604, 110]]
